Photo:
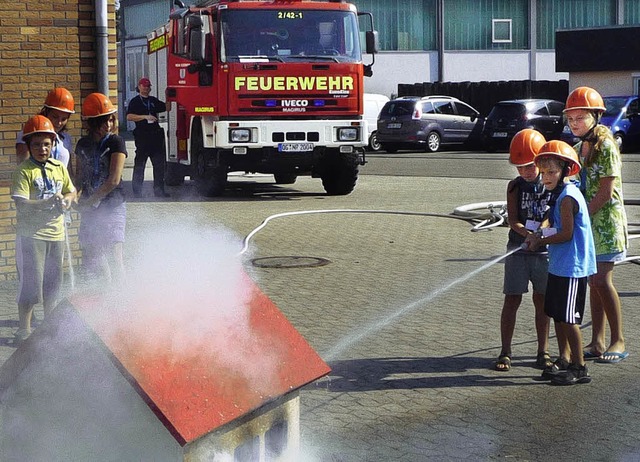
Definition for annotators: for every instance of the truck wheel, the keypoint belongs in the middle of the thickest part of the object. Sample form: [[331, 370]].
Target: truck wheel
[[210, 173], [340, 173], [211, 181], [285, 178], [174, 174]]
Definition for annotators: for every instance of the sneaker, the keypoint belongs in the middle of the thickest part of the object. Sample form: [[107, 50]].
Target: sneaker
[[575, 374], [21, 335], [558, 367]]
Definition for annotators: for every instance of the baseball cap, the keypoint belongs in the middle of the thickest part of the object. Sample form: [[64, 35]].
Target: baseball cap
[[145, 82]]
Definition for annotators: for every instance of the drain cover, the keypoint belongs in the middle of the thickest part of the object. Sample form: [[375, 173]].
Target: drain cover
[[289, 262]]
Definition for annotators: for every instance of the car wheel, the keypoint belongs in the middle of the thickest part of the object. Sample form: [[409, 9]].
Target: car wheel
[[374, 144], [433, 142]]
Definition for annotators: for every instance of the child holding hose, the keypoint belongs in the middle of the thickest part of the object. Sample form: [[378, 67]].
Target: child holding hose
[[42, 191], [527, 207], [572, 259]]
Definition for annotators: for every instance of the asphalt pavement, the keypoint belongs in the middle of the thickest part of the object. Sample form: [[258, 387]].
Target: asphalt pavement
[[406, 316]]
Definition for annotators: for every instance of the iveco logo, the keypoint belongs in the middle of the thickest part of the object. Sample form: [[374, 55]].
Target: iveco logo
[[295, 103]]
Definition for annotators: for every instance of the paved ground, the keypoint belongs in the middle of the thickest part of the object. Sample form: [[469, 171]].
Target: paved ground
[[408, 328]]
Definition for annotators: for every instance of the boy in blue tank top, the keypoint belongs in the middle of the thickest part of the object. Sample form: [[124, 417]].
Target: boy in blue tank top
[[572, 259]]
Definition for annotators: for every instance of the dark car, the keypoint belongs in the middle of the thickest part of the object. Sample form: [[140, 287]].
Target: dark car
[[427, 123], [509, 117], [622, 117]]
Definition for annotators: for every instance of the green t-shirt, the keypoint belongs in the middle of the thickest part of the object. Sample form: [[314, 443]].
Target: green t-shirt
[[609, 224], [29, 183]]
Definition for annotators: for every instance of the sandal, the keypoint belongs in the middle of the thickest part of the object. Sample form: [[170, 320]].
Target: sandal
[[558, 367], [543, 360], [503, 364]]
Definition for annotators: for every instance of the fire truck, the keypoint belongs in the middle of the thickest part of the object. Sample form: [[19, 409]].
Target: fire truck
[[267, 86]]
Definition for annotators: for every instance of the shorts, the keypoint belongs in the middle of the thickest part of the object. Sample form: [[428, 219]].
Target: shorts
[[565, 299], [39, 265], [103, 226], [520, 268], [612, 257]]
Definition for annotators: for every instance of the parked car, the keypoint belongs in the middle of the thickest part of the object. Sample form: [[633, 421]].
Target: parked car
[[509, 117], [622, 117], [427, 123], [373, 104]]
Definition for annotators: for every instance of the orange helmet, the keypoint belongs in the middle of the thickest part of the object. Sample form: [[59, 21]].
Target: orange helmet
[[585, 98], [96, 105], [38, 124], [524, 147], [59, 98], [560, 150]]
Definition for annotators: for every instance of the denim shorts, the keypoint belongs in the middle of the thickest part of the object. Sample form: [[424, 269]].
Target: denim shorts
[[612, 257]]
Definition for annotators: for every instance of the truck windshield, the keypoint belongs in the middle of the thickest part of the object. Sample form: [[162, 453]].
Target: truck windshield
[[289, 35]]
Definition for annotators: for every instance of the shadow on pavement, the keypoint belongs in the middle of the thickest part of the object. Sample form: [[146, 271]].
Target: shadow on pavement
[[417, 373]]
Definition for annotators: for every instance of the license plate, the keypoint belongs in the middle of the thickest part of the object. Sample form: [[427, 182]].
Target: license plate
[[295, 147], [500, 134], [394, 125]]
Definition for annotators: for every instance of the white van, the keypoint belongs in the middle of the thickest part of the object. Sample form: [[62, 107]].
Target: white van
[[372, 105]]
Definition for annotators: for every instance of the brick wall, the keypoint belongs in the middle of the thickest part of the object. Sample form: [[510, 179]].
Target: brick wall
[[43, 44]]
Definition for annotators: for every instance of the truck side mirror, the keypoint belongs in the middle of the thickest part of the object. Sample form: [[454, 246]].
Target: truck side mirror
[[371, 38], [195, 46], [196, 39]]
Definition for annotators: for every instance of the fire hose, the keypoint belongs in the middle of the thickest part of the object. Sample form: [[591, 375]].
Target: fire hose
[[483, 216], [493, 216]]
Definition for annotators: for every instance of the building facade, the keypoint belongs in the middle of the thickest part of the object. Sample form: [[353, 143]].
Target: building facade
[[431, 40]]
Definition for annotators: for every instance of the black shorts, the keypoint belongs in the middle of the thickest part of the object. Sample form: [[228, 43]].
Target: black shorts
[[565, 298]]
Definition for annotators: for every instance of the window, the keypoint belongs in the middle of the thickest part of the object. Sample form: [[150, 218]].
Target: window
[[427, 108], [444, 108], [260, 34], [465, 110], [555, 109], [275, 440], [501, 30], [469, 25], [248, 450], [542, 111]]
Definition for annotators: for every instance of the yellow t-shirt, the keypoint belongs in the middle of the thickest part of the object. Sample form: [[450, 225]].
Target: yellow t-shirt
[[30, 183]]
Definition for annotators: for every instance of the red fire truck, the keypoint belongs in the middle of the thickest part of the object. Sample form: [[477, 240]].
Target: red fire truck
[[267, 87]]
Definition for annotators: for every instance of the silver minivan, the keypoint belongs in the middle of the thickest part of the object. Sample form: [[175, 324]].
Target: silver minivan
[[427, 123]]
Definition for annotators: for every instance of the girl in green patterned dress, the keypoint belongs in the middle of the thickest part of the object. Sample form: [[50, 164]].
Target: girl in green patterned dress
[[601, 184]]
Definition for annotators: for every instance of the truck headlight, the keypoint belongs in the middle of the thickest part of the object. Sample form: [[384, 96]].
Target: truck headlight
[[240, 135], [348, 134]]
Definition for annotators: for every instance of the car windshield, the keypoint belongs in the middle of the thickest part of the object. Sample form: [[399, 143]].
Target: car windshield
[[398, 108], [505, 111], [614, 106], [289, 35]]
